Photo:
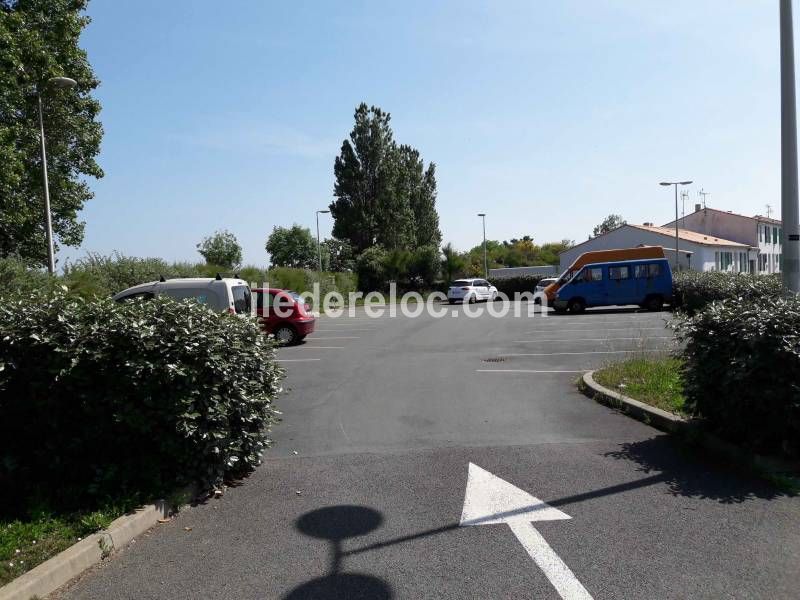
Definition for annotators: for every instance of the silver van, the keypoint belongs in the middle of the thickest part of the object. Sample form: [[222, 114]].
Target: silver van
[[221, 294]]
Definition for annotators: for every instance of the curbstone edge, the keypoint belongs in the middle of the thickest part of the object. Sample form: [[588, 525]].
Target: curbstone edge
[[65, 566]]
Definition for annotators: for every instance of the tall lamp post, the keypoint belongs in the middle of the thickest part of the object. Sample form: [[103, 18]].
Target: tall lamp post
[[319, 246], [61, 83], [676, 184], [789, 208], [485, 261]]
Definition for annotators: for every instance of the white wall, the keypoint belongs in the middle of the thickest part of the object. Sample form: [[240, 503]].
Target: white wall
[[702, 257]]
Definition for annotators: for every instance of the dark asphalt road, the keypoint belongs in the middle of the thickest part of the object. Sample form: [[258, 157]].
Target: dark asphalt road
[[386, 414]]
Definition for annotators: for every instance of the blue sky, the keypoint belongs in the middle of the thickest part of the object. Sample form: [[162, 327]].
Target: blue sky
[[546, 115]]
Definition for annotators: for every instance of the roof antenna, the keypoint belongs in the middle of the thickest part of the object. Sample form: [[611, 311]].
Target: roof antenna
[[218, 277], [769, 211], [161, 278], [703, 194]]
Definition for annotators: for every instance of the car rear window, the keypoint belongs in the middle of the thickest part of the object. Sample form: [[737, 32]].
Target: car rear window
[[242, 301], [460, 283]]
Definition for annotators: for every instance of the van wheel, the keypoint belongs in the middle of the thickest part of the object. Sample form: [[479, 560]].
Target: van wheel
[[286, 335], [577, 306], [654, 303]]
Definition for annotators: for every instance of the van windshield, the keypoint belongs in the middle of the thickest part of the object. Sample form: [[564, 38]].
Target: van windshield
[[242, 301]]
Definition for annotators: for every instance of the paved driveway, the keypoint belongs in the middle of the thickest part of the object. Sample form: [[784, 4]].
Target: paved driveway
[[362, 493]]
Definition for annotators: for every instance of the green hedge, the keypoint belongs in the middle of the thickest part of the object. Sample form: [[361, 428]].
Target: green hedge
[[742, 370], [96, 275], [512, 285], [693, 290], [99, 398]]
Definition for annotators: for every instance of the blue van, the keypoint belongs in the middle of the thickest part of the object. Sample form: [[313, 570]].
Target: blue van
[[646, 282]]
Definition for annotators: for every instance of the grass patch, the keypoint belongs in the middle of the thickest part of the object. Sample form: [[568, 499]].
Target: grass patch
[[654, 381], [28, 541]]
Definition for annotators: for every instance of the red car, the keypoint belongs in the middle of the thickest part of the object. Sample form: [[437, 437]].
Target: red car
[[283, 314]]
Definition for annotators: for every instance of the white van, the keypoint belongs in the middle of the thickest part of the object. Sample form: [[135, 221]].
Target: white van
[[221, 294]]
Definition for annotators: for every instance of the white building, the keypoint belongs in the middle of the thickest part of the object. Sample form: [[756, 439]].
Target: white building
[[758, 232], [698, 251]]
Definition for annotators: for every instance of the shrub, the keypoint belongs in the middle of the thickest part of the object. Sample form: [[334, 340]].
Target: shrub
[[693, 290], [511, 285], [17, 276], [742, 361], [98, 398], [424, 266], [371, 271]]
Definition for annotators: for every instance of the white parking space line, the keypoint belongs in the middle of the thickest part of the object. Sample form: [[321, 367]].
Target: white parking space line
[[297, 359], [322, 347], [343, 330], [524, 371], [600, 330], [587, 352], [617, 339], [343, 337]]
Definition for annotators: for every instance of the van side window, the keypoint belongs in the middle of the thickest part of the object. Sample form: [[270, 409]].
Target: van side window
[[200, 295], [617, 273], [242, 302], [647, 271], [595, 274], [140, 295]]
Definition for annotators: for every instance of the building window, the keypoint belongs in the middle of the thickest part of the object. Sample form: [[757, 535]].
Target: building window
[[774, 235], [766, 233], [723, 260], [760, 234]]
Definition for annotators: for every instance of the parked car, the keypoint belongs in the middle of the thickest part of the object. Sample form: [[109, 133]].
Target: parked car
[[538, 291], [647, 283], [283, 315], [470, 290], [221, 294]]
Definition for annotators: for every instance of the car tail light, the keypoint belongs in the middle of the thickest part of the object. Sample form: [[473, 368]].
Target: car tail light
[[231, 310]]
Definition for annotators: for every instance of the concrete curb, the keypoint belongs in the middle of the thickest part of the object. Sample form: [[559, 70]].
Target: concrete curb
[[65, 566], [688, 429], [661, 419]]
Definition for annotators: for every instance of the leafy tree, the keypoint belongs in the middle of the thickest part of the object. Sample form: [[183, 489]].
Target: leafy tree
[[418, 185], [293, 246], [370, 267], [423, 269], [453, 263], [337, 255], [610, 223], [396, 263], [221, 249], [384, 194], [39, 40]]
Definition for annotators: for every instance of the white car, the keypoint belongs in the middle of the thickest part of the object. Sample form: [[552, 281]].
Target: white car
[[539, 289], [221, 294], [470, 290]]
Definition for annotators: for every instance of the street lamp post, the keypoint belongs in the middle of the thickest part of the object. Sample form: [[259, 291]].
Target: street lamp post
[[485, 260], [676, 184], [64, 83], [319, 246], [789, 207]]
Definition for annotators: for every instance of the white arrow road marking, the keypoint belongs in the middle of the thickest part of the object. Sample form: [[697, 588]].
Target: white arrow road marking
[[490, 500]]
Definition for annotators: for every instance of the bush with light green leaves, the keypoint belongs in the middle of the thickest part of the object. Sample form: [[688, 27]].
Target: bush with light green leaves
[[99, 398], [742, 370], [692, 290]]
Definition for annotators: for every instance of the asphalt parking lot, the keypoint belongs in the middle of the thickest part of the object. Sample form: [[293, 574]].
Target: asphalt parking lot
[[363, 492]]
